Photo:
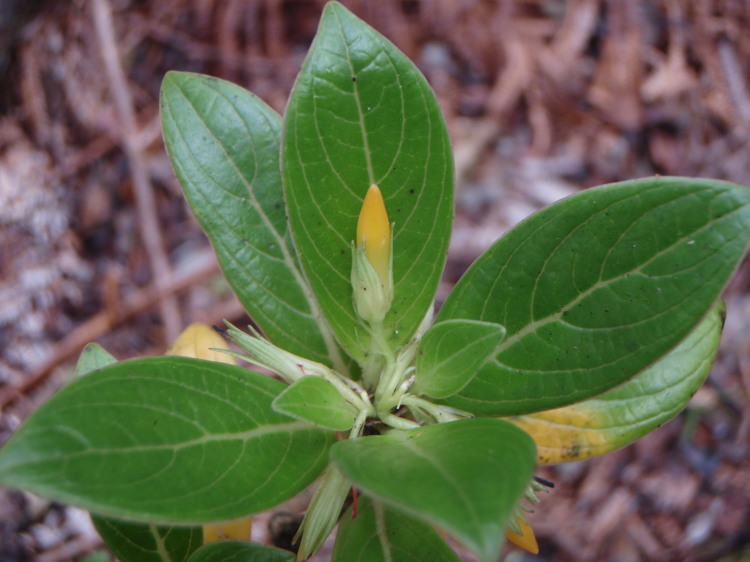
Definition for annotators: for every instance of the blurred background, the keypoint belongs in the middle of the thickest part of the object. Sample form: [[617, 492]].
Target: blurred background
[[542, 98]]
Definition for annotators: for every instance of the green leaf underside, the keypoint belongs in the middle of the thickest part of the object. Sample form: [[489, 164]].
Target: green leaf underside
[[597, 287], [93, 357], [464, 476], [224, 146], [166, 439], [238, 551], [361, 113], [451, 353], [379, 533], [315, 400], [630, 411], [146, 542]]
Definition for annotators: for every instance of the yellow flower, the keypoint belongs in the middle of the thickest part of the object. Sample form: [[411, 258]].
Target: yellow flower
[[374, 233], [200, 341], [372, 277]]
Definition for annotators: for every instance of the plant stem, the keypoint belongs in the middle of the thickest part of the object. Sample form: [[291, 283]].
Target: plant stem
[[359, 423], [441, 414], [397, 422]]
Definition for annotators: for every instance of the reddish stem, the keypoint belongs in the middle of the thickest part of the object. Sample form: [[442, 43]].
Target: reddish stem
[[355, 499]]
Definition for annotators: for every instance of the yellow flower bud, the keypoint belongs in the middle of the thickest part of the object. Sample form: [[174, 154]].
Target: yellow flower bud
[[374, 233], [525, 539], [372, 278]]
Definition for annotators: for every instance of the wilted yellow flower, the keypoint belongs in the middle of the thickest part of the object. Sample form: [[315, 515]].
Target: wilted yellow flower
[[525, 538], [233, 530]]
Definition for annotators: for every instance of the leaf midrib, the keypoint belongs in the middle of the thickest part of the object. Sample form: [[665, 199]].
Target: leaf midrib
[[534, 325], [208, 438], [332, 349]]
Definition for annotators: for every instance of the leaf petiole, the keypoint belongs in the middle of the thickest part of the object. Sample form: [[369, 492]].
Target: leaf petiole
[[441, 413]]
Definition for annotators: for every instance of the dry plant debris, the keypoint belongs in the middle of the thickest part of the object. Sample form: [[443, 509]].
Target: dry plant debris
[[543, 97]]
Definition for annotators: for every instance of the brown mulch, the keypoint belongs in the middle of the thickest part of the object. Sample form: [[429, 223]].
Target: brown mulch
[[542, 97]]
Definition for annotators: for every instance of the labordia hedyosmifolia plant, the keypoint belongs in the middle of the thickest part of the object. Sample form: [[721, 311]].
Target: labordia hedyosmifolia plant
[[582, 329]]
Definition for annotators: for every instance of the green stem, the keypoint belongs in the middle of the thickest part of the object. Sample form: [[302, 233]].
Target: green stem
[[359, 423], [441, 414], [361, 392], [372, 371], [397, 422], [350, 390], [388, 371]]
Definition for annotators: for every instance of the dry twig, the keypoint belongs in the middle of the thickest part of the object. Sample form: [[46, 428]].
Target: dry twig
[[146, 205], [106, 320]]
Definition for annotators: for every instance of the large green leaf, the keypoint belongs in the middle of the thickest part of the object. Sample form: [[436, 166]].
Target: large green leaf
[[224, 146], [464, 476], [237, 551], [146, 542], [361, 114], [131, 540], [166, 439], [379, 533], [452, 352], [630, 411], [597, 287]]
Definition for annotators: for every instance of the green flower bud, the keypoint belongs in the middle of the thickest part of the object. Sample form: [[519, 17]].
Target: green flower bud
[[323, 512], [260, 351]]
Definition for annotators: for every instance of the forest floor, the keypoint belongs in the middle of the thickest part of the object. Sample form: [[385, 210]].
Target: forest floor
[[542, 98]]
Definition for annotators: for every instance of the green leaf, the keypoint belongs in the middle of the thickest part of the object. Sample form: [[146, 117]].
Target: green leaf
[[379, 533], [146, 542], [166, 439], [315, 400], [595, 288], [130, 540], [238, 551], [452, 352], [630, 411], [224, 146], [464, 476], [93, 357], [361, 113]]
